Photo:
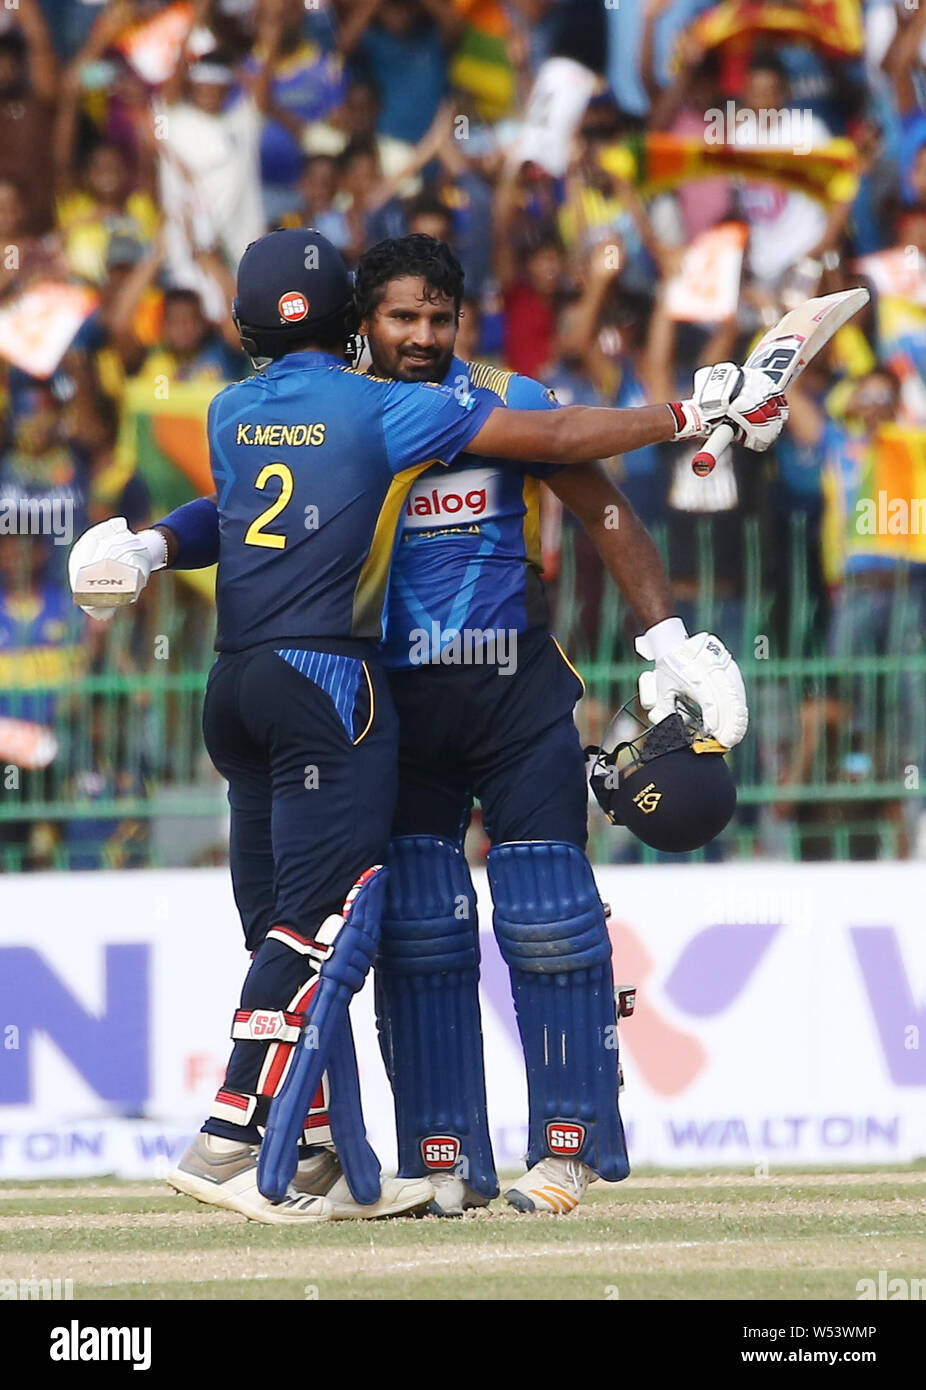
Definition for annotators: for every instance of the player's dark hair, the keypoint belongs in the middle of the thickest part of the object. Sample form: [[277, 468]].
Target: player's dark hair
[[415, 255]]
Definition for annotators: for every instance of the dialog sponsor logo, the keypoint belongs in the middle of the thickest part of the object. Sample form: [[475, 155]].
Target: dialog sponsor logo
[[463, 497]]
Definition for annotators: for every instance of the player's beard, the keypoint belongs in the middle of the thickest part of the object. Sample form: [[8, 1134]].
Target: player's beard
[[401, 369]]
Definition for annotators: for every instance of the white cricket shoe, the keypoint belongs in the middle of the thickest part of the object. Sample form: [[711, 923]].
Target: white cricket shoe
[[554, 1185], [398, 1197], [316, 1173], [223, 1173], [321, 1175], [452, 1196]]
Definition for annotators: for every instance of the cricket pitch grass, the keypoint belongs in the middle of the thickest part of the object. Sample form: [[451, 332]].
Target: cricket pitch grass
[[727, 1235]]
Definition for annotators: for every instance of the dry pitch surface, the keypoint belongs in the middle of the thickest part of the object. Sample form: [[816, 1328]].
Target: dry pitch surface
[[656, 1236]]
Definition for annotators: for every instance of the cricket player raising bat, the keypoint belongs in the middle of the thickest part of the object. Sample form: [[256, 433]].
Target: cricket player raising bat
[[298, 682]]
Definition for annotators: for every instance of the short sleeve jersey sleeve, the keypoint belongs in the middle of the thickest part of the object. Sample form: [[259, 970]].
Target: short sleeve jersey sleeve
[[423, 422], [524, 393]]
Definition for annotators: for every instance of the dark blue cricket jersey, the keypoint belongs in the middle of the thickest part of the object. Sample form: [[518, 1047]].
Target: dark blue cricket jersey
[[469, 553], [312, 463]]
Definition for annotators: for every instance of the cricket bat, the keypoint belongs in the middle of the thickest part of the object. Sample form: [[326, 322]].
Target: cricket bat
[[107, 584], [784, 352]]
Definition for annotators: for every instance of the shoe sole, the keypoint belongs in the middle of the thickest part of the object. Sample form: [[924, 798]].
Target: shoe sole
[[519, 1201], [435, 1209], [418, 1207], [207, 1194], [188, 1185]]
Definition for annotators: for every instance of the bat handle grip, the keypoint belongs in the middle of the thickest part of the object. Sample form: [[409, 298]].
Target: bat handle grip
[[719, 439]]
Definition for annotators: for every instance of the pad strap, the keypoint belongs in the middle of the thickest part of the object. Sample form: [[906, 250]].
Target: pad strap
[[317, 947], [266, 1025]]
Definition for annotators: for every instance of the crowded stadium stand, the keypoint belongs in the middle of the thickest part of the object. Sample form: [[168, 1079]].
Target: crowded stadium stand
[[633, 190]]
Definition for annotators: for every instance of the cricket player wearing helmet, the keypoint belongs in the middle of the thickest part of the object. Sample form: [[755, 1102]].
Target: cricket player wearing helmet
[[347, 404]]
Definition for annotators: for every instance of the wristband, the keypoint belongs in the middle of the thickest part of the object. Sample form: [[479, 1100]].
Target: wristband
[[660, 639], [689, 423]]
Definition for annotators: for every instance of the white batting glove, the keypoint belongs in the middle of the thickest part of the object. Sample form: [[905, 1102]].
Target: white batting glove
[[701, 669], [758, 411], [112, 540], [714, 390]]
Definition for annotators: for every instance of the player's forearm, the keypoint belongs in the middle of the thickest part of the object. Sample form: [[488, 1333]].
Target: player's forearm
[[630, 556], [575, 434], [192, 534], [627, 550]]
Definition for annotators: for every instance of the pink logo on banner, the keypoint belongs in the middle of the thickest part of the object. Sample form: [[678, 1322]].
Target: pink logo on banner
[[709, 974]]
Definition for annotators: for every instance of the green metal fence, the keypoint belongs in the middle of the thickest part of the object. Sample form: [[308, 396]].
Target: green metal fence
[[830, 768]]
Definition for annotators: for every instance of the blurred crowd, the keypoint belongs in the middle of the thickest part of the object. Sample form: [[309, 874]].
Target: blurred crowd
[[143, 145]]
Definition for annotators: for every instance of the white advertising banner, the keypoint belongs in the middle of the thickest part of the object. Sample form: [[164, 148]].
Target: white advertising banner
[[781, 1017]]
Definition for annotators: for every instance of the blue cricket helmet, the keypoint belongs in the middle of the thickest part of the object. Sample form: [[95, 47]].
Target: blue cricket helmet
[[293, 287], [676, 793]]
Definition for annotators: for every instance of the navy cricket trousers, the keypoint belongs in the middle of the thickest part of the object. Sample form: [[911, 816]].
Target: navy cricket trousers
[[307, 740], [470, 731]]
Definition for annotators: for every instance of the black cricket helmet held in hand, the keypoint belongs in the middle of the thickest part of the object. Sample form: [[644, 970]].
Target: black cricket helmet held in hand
[[672, 788], [293, 289]]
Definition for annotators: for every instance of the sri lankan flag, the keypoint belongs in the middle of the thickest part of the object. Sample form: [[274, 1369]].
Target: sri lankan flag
[[656, 162], [165, 442], [832, 25], [480, 64], [875, 499]]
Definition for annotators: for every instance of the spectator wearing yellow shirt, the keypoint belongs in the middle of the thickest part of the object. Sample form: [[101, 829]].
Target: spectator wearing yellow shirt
[[100, 195], [101, 205], [41, 655], [191, 348]]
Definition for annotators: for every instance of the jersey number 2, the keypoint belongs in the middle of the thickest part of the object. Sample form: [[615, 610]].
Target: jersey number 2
[[256, 535]]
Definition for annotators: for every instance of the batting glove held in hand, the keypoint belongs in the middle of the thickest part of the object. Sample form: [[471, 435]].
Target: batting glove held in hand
[[112, 540], [701, 669], [714, 390], [758, 411]]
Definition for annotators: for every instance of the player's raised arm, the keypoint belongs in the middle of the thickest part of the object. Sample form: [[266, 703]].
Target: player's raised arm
[[747, 399], [700, 667]]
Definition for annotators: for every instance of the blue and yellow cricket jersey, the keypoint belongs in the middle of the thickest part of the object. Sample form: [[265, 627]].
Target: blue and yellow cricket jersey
[[313, 463], [469, 553]]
